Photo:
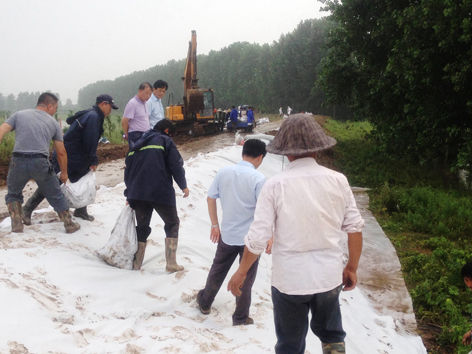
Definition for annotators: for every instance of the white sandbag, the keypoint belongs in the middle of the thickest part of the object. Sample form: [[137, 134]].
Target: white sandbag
[[82, 192], [122, 244]]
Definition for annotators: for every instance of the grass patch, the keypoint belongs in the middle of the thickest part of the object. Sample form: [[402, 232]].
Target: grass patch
[[427, 215]]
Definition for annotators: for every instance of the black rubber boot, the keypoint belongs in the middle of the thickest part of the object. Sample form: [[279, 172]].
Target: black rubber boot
[[30, 205], [83, 214]]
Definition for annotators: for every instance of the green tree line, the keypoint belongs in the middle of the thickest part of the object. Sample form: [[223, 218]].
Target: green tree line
[[267, 76], [27, 100], [406, 66]]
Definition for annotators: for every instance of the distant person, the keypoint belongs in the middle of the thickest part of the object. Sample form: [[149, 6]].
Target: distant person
[[234, 118], [151, 165], [135, 119], [281, 112], [238, 187], [308, 209], [34, 129], [154, 104], [467, 276], [81, 142], [250, 115], [289, 110]]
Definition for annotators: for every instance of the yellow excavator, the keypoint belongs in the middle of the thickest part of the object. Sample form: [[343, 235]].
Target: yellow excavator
[[197, 115]]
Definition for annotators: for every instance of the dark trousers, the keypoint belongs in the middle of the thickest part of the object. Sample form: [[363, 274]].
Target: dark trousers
[[133, 137], [291, 319], [224, 259], [168, 214]]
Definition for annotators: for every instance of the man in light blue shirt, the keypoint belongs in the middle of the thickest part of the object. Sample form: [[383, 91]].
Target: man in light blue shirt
[[238, 187], [154, 104]]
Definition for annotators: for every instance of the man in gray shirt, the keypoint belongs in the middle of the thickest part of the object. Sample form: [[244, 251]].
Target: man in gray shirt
[[30, 160]]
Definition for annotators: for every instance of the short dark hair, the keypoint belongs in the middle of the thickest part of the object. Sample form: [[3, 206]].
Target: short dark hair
[[466, 270], [164, 124], [144, 85], [161, 84], [47, 98], [254, 148]]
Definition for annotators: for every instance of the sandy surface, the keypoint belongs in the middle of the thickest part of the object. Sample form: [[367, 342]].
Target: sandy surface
[[56, 296], [383, 283]]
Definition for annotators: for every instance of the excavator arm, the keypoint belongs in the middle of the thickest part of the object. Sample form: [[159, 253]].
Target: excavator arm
[[193, 96]]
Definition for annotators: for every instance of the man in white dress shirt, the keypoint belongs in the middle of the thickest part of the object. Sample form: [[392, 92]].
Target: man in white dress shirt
[[310, 209], [154, 104]]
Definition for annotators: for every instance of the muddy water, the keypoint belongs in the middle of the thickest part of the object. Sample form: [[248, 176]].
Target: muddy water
[[191, 147], [379, 274]]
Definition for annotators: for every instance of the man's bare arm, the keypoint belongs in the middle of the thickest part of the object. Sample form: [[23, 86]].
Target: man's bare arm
[[125, 125], [354, 244], [212, 211], [237, 280], [4, 129], [62, 159]]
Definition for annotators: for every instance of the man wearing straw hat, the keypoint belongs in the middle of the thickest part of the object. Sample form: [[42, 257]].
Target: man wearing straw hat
[[310, 208]]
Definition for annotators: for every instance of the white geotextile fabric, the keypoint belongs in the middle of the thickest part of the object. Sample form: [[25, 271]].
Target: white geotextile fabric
[[82, 192], [122, 244]]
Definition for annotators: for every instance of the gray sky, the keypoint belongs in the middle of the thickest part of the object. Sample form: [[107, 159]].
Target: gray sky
[[64, 45]]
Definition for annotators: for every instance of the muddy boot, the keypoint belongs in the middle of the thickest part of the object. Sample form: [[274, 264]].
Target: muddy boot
[[14, 208], [171, 250], [82, 213], [70, 226], [334, 348], [30, 205], [139, 256]]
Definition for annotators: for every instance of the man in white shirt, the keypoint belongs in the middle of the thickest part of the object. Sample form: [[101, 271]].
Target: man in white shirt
[[309, 208], [154, 104]]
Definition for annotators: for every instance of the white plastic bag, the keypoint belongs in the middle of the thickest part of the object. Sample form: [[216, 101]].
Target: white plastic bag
[[122, 244], [82, 192]]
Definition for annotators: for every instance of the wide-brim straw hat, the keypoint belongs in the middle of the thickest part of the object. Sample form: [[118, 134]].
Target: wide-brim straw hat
[[298, 135]]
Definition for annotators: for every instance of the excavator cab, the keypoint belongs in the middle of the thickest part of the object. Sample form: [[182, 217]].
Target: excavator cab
[[208, 105]]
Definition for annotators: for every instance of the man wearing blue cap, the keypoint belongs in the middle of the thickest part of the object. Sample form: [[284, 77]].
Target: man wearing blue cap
[[81, 142]]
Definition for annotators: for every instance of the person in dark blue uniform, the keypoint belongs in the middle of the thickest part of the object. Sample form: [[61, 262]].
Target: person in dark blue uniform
[[234, 118], [151, 166]]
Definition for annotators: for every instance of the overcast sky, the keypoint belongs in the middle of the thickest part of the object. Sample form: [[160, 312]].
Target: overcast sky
[[64, 45]]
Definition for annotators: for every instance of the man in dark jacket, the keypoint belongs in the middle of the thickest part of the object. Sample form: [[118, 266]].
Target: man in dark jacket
[[81, 142], [234, 118], [151, 165]]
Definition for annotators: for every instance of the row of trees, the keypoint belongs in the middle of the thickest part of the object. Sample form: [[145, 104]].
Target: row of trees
[[267, 77], [26, 100], [406, 66], [283, 73]]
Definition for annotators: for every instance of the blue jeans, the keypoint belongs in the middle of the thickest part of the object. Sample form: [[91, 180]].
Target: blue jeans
[[22, 169], [291, 319]]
